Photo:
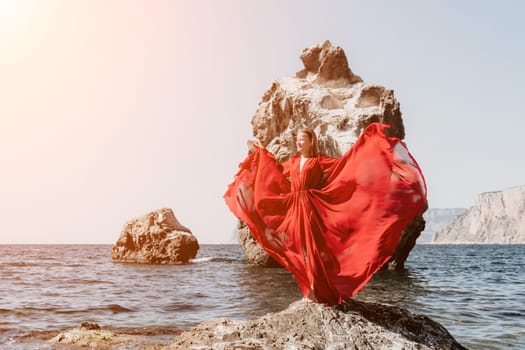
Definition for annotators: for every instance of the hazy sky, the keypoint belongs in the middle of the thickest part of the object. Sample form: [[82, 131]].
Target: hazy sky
[[111, 109]]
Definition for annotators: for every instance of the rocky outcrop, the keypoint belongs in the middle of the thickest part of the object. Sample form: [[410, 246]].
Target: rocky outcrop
[[495, 218], [155, 238], [328, 97], [304, 325], [93, 336], [337, 105], [435, 220]]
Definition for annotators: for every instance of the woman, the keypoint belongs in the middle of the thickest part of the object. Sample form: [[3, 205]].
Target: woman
[[337, 221]]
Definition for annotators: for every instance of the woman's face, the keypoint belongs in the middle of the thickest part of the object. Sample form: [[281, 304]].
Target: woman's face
[[304, 144]]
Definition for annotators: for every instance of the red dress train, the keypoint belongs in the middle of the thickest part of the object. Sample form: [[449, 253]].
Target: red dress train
[[339, 220]]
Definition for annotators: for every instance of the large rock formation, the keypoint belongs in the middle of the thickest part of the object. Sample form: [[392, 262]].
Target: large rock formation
[[304, 325], [328, 97], [435, 220], [155, 238], [495, 218]]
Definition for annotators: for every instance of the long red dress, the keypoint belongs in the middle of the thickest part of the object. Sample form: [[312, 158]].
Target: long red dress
[[339, 220]]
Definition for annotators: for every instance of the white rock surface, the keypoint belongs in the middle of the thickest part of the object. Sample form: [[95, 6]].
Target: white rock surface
[[327, 97], [495, 218]]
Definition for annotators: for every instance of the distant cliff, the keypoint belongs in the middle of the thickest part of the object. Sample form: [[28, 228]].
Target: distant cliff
[[495, 218], [436, 219]]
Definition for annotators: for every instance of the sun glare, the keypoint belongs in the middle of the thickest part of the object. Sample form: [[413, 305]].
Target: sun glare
[[16, 17], [7, 11], [20, 21], [7, 4]]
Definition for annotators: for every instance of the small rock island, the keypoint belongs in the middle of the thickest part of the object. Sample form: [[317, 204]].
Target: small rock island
[[155, 238]]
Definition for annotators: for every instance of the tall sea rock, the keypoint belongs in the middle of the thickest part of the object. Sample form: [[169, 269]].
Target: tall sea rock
[[328, 97], [495, 218]]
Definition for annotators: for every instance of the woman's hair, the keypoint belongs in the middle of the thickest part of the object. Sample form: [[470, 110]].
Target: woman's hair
[[312, 137]]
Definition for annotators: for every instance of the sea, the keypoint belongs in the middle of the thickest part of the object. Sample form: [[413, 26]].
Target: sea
[[477, 292]]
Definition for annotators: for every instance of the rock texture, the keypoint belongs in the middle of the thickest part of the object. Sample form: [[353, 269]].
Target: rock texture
[[155, 238], [495, 218], [435, 220], [92, 336], [328, 97], [304, 325], [338, 105]]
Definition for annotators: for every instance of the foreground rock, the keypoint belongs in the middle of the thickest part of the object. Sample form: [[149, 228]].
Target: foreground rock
[[355, 325], [328, 97], [91, 335], [495, 218], [155, 238]]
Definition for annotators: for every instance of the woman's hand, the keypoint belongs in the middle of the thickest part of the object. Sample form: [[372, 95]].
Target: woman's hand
[[254, 145]]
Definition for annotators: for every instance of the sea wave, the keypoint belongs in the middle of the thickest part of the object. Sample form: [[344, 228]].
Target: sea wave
[[201, 260], [113, 308], [207, 259], [89, 281], [20, 263]]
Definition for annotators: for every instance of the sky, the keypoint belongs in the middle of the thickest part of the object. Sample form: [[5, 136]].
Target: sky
[[111, 109]]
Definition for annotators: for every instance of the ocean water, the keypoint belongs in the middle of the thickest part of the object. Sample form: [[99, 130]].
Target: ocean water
[[476, 291]]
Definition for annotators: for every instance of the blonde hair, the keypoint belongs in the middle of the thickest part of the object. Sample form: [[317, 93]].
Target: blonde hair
[[313, 139]]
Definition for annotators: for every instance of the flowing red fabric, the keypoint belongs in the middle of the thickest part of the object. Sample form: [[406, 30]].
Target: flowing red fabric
[[339, 220]]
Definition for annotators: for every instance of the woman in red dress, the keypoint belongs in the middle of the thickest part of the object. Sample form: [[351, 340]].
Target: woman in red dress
[[332, 222]]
